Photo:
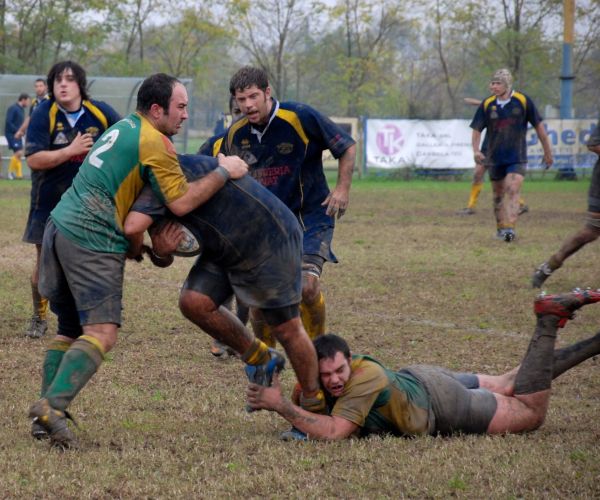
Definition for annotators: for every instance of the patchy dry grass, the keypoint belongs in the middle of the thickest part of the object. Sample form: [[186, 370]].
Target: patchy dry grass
[[415, 284]]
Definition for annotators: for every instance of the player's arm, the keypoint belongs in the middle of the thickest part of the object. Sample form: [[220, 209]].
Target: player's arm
[[545, 141], [45, 160], [201, 190], [478, 156], [337, 200], [314, 425], [164, 240], [22, 129]]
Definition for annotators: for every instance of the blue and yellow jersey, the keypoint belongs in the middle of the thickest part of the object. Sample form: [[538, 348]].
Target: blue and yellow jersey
[[212, 146], [381, 401], [506, 128], [50, 130], [286, 157], [128, 155], [35, 102]]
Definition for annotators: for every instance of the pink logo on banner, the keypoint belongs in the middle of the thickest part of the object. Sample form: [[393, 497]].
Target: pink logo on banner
[[389, 139]]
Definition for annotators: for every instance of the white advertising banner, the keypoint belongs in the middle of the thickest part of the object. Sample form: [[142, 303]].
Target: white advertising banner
[[419, 143], [568, 140], [446, 144]]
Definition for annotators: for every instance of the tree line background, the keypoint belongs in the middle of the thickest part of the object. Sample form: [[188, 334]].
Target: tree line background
[[377, 58]]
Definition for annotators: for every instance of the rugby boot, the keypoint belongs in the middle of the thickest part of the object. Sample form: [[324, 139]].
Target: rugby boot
[[263, 374], [38, 431], [509, 235], [523, 209], [54, 422], [565, 305], [37, 328], [465, 211], [541, 274]]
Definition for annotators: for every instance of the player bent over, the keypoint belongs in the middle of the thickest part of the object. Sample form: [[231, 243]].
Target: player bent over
[[257, 257], [365, 397]]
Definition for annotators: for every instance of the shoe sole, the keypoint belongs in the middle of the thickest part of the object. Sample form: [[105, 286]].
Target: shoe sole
[[564, 306]]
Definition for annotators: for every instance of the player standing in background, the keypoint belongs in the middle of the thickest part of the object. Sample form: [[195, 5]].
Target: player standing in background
[[283, 144], [505, 116], [478, 178], [591, 229], [15, 117], [60, 133], [41, 94]]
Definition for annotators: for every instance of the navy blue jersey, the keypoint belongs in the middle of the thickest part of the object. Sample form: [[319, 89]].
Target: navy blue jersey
[[15, 116], [239, 227], [286, 157], [506, 128], [49, 130], [35, 102]]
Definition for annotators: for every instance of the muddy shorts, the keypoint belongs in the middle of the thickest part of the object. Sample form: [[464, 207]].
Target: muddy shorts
[[84, 287], [499, 172], [274, 286], [454, 407], [318, 234], [594, 191]]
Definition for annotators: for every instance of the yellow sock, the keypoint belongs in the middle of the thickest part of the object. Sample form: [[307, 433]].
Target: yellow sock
[[521, 201], [263, 332], [43, 309], [475, 190], [313, 317], [257, 353]]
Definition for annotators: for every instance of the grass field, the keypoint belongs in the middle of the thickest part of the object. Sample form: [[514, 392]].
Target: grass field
[[415, 284]]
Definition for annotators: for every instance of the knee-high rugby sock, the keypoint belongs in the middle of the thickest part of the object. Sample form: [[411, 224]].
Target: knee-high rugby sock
[[40, 304], [78, 366], [474, 195], [568, 357], [54, 355], [313, 317], [263, 332], [536, 370], [257, 354]]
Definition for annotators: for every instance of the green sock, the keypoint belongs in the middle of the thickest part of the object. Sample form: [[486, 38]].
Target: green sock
[[78, 366], [54, 355]]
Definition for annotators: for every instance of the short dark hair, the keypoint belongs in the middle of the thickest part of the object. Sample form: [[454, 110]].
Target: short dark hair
[[246, 77], [156, 89], [40, 80], [23, 95], [78, 73], [327, 346]]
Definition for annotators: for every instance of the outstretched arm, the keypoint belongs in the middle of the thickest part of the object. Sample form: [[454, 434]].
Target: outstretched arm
[[312, 424], [337, 201], [543, 136]]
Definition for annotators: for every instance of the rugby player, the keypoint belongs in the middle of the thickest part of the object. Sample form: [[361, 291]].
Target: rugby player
[[258, 261], [588, 233], [364, 397], [84, 246], [60, 133], [283, 144], [505, 115]]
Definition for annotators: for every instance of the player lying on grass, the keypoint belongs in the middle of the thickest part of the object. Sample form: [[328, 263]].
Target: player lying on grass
[[364, 397], [251, 246]]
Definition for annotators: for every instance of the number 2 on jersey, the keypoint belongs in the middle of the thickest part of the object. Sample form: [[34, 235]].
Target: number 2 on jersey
[[108, 139]]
